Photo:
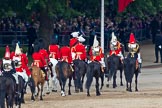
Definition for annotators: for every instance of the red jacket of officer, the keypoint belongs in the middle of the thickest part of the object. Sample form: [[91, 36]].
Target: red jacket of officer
[[54, 51], [65, 54], [38, 60]]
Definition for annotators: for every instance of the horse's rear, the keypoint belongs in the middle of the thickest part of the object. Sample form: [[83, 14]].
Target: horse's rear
[[129, 71], [113, 64], [64, 71], [93, 70], [2, 92], [80, 68], [39, 78], [7, 90]]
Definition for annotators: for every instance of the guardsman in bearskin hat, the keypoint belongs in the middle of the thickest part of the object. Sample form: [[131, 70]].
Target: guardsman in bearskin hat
[[54, 50], [96, 53], [38, 59], [115, 47], [19, 61], [80, 49], [8, 67], [65, 52], [134, 50]]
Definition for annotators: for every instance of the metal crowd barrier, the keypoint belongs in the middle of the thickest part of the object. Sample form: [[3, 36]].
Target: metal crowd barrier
[[7, 37]]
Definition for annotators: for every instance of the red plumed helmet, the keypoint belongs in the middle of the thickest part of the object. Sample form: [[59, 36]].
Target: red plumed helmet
[[7, 53], [132, 39]]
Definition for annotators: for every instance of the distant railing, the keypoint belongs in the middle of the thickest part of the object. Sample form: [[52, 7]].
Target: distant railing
[[7, 37]]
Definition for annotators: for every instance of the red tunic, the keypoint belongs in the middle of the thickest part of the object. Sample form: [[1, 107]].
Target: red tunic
[[65, 54], [117, 51], [96, 57], [38, 60], [73, 41], [80, 51], [24, 60], [54, 51]]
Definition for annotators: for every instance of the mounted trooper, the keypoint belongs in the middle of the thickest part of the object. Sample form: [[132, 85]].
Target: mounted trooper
[[134, 51], [115, 47], [18, 59], [8, 66], [96, 53]]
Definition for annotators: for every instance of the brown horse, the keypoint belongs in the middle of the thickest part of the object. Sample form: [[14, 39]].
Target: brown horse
[[37, 78], [64, 71]]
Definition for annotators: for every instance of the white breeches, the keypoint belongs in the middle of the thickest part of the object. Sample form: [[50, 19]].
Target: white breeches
[[15, 75], [121, 55], [24, 75], [139, 58]]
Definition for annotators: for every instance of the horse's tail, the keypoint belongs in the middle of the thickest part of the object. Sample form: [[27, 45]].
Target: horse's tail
[[2, 94], [89, 75], [129, 72]]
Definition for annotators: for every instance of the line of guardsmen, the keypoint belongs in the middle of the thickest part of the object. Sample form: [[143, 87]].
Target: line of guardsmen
[[68, 52]]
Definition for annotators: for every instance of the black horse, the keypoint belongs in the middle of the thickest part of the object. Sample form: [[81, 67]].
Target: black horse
[[7, 91], [20, 91], [64, 72], [129, 71], [94, 70], [113, 64], [80, 68]]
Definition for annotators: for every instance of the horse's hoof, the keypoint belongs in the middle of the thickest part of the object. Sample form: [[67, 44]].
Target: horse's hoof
[[47, 92], [54, 90], [107, 85], [69, 93], [98, 94], [81, 90], [41, 98], [136, 90], [121, 85], [88, 95], [77, 91], [22, 101], [63, 95], [114, 86], [101, 88], [127, 89]]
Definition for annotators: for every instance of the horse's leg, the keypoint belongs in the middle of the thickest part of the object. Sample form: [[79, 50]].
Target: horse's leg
[[69, 92], [107, 85], [136, 76], [38, 90], [114, 80], [82, 81], [32, 88], [127, 86], [102, 80], [41, 95], [48, 91], [97, 87], [121, 77], [63, 88], [130, 87], [55, 82]]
